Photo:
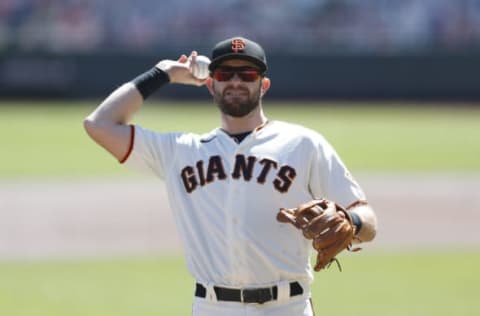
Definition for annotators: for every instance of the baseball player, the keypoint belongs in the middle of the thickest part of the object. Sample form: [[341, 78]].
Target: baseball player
[[227, 186]]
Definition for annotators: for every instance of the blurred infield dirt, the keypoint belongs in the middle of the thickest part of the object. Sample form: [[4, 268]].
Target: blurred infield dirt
[[92, 218]]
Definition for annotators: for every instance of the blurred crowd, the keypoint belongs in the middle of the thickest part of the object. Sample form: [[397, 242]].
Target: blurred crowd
[[300, 26]]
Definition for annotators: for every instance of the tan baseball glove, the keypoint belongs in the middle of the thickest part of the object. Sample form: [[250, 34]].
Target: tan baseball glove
[[327, 224]]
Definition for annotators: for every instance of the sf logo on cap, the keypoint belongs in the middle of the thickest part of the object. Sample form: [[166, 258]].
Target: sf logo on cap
[[238, 45]]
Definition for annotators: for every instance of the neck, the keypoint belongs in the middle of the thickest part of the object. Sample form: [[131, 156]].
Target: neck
[[237, 125]]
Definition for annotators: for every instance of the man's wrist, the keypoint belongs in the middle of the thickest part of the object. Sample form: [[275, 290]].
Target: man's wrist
[[357, 221], [150, 81]]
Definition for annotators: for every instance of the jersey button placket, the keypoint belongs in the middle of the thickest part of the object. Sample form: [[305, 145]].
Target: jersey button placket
[[227, 194], [231, 230], [237, 216], [234, 237]]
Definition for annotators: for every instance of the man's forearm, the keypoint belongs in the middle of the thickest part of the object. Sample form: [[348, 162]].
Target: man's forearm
[[119, 107], [108, 126], [124, 102]]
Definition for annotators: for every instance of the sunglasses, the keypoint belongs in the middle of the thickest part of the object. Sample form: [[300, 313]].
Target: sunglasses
[[247, 74]]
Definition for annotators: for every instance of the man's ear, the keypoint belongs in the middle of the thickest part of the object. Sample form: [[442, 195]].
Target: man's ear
[[265, 85], [209, 84]]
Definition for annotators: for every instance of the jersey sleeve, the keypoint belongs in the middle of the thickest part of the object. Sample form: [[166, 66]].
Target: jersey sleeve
[[151, 151], [330, 178]]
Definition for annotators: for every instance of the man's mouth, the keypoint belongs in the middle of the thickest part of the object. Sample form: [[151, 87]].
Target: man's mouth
[[232, 92]]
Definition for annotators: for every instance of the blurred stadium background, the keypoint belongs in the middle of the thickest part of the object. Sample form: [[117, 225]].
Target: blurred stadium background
[[79, 235], [418, 49]]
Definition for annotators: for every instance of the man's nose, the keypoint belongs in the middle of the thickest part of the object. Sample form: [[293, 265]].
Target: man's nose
[[236, 78]]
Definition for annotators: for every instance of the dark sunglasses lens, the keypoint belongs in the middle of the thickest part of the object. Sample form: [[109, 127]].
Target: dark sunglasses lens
[[248, 75], [222, 75]]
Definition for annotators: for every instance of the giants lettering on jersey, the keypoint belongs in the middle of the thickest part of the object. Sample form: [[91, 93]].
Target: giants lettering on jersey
[[207, 172]]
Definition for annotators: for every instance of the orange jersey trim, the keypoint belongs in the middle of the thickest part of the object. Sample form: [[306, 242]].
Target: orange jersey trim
[[130, 145], [356, 203]]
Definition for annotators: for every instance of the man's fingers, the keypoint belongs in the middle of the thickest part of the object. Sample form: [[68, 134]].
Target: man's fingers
[[183, 59], [286, 215], [192, 59], [193, 55], [180, 71]]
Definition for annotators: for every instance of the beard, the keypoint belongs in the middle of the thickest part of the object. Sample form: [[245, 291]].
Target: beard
[[237, 101]]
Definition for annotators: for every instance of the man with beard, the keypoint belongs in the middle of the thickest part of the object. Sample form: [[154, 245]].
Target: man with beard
[[226, 187]]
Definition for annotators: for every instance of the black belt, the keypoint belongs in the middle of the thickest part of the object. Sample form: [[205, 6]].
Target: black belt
[[255, 295]]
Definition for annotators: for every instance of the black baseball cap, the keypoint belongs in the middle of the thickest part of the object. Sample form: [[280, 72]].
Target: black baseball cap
[[238, 48]]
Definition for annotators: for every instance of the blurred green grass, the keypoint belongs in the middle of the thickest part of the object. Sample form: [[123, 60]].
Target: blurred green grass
[[46, 139], [421, 283]]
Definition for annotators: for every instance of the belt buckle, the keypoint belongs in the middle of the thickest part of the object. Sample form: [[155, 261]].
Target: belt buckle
[[259, 295]]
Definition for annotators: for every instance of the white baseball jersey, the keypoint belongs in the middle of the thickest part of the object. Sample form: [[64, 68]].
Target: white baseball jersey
[[225, 197]]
